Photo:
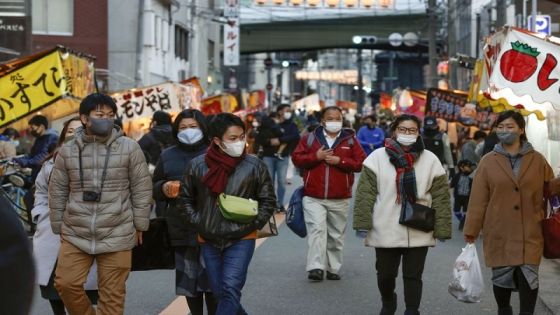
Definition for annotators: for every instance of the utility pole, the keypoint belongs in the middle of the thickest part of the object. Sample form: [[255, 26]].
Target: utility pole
[[501, 13], [432, 43], [360, 82], [452, 41], [534, 15]]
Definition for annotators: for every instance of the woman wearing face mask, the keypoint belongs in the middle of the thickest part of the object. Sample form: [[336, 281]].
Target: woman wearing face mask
[[45, 243], [404, 172], [227, 246], [506, 205], [190, 131], [329, 157]]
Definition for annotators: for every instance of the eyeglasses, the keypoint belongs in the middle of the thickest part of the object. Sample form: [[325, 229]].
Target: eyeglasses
[[407, 130]]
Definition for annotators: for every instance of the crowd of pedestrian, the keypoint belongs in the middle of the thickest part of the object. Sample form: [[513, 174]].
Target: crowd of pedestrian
[[218, 180]]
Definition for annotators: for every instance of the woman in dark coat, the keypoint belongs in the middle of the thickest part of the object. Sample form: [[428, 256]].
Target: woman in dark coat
[[190, 131]]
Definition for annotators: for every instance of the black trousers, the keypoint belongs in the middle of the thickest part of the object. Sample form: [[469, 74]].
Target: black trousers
[[387, 265], [527, 296], [461, 204]]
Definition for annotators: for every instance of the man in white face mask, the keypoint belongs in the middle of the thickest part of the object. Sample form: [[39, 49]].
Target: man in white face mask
[[329, 157]]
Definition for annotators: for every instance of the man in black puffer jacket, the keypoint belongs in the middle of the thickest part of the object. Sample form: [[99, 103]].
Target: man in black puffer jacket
[[227, 246], [159, 137]]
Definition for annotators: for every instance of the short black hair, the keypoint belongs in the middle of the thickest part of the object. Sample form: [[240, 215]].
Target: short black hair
[[479, 134], [282, 106], [94, 100], [326, 109], [372, 117], [517, 117], [221, 122], [465, 162], [38, 120], [11, 132], [194, 114], [161, 118], [405, 117]]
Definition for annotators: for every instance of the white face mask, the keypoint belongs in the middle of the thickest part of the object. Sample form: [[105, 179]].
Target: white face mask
[[406, 139], [234, 149], [333, 126], [287, 115], [190, 135], [255, 123]]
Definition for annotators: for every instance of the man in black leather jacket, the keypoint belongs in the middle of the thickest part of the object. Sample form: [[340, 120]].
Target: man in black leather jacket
[[227, 246]]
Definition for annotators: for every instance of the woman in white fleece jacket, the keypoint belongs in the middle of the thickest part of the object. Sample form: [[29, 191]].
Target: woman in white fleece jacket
[[402, 171]]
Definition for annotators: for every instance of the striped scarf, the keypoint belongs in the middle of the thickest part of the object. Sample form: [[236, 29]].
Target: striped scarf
[[402, 158]]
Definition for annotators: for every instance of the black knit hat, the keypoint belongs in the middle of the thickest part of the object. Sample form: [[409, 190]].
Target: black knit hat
[[39, 120]]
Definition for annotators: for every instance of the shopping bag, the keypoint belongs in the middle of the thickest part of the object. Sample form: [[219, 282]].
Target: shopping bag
[[156, 251], [467, 284], [551, 232], [294, 214]]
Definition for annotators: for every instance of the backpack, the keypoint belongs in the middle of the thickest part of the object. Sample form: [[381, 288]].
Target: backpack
[[435, 145], [294, 215]]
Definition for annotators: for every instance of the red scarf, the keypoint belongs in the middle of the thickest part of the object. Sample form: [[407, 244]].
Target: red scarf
[[220, 166]]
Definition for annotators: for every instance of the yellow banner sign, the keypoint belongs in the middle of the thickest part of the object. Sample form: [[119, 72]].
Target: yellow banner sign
[[31, 87]]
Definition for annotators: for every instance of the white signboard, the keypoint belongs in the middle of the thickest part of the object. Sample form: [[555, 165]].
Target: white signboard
[[543, 24], [231, 8], [231, 42], [142, 103], [528, 65]]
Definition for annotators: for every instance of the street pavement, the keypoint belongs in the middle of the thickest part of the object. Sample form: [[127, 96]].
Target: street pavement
[[277, 282]]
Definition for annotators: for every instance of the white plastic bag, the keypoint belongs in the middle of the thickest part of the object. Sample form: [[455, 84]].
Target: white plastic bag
[[467, 284]]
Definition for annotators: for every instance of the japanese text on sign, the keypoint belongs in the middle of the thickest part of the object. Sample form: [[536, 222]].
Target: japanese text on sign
[[231, 42], [31, 88]]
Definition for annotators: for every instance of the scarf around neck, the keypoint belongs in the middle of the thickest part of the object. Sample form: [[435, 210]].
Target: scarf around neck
[[220, 167], [403, 159]]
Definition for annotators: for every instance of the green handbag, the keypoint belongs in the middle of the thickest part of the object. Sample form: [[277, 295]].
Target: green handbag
[[238, 209]]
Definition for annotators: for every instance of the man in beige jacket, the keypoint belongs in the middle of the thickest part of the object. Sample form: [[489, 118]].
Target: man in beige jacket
[[99, 198]]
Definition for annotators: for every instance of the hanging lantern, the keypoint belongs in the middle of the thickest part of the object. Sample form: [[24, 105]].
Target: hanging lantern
[[261, 2], [350, 3], [278, 2], [333, 3], [296, 2], [313, 3], [367, 3], [385, 3], [405, 99]]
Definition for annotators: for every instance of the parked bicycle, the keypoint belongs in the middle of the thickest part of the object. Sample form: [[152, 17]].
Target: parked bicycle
[[16, 181]]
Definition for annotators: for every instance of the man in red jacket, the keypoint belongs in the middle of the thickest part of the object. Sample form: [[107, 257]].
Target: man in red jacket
[[329, 156]]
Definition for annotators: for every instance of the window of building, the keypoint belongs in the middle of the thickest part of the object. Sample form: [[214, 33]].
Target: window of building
[[211, 50], [53, 17], [181, 43]]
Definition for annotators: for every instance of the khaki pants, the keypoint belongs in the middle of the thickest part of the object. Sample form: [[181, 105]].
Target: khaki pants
[[325, 220], [71, 274]]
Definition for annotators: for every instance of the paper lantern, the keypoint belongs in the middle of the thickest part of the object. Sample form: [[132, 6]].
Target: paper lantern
[[313, 3], [367, 3], [261, 2], [333, 3], [278, 2], [385, 3], [296, 2], [350, 3]]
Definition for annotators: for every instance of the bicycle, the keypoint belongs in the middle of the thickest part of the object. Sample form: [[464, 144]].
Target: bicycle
[[14, 180]]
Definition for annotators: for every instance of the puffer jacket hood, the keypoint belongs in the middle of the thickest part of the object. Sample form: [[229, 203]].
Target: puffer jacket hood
[[526, 147], [110, 224]]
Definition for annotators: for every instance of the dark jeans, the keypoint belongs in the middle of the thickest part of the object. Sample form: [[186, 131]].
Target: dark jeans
[[387, 265], [227, 272], [527, 296], [278, 170], [460, 207]]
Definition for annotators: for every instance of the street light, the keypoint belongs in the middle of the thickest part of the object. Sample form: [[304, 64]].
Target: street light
[[285, 63]]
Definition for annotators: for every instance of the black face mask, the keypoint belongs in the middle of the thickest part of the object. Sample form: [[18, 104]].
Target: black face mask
[[101, 126]]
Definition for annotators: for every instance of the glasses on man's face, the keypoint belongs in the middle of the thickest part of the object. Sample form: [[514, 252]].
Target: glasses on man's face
[[409, 131]]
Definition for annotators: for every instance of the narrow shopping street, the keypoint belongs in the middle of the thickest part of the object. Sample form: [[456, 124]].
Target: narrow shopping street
[[277, 283]]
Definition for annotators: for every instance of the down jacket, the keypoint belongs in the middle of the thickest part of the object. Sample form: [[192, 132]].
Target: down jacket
[[249, 180], [108, 225]]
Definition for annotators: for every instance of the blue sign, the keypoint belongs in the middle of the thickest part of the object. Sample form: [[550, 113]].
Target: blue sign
[[543, 24]]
